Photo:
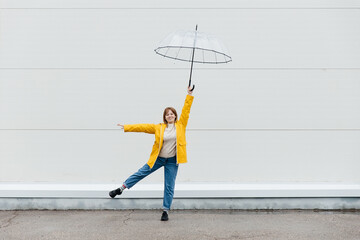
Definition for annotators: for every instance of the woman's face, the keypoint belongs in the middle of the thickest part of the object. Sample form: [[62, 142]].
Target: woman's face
[[170, 116]]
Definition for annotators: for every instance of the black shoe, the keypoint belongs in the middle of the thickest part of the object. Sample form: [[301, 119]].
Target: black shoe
[[164, 216], [115, 192]]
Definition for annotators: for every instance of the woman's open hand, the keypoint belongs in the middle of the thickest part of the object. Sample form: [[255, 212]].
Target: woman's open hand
[[122, 126]]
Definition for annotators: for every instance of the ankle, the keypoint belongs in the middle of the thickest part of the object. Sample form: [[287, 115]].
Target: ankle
[[123, 187]]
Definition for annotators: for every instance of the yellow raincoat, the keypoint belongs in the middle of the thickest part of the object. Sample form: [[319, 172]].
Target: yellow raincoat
[[158, 130]]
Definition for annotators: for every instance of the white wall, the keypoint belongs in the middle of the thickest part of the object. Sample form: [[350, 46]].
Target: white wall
[[287, 109]]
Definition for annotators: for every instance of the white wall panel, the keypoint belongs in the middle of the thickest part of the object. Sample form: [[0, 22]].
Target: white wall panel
[[126, 38], [156, 4], [109, 156], [286, 110], [224, 99]]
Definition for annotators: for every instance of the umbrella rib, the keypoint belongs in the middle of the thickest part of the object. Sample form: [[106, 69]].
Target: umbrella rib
[[168, 47], [178, 52], [166, 51], [207, 38], [193, 48], [181, 46]]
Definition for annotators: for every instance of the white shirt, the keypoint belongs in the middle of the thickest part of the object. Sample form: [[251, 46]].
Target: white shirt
[[169, 147]]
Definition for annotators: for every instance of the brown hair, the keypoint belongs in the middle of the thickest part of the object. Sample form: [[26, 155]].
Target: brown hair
[[166, 110]]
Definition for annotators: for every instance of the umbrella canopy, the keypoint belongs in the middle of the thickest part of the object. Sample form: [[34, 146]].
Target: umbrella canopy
[[193, 46], [179, 45]]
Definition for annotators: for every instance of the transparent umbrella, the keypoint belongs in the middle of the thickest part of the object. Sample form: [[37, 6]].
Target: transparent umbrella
[[193, 46]]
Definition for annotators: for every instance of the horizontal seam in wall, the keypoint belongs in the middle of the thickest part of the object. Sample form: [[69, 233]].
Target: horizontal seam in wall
[[197, 68], [194, 8]]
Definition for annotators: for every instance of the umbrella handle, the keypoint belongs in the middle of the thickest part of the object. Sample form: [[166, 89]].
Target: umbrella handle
[[192, 62]]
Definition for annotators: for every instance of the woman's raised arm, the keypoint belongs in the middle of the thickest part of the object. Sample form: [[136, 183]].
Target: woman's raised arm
[[184, 117]]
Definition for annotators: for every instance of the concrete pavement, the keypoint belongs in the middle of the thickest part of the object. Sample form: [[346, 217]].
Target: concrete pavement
[[183, 224]]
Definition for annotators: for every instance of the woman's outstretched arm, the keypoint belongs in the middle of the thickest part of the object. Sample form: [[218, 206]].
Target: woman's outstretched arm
[[146, 128]]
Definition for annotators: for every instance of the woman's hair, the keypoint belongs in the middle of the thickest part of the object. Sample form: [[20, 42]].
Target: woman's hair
[[165, 112]]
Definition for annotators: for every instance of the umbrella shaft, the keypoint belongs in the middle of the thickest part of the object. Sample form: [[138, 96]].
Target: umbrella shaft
[[192, 59], [192, 63]]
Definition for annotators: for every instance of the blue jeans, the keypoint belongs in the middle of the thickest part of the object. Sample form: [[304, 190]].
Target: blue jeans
[[170, 171]]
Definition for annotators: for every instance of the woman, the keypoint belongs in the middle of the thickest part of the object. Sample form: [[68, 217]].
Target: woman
[[168, 151]]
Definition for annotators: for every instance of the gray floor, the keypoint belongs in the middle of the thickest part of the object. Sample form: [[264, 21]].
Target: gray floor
[[183, 224]]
